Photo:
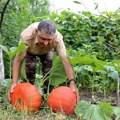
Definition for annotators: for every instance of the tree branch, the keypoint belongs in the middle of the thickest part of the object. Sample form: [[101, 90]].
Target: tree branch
[[2, 13], [94, 13]]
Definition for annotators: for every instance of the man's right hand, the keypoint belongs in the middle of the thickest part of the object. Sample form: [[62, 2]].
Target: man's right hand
[[10, 90]]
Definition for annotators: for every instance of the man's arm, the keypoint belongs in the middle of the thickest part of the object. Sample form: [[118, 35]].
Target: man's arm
[[15, 72], [68, 68], [69, 71], [16, 66], [15, 75], [70, 75]]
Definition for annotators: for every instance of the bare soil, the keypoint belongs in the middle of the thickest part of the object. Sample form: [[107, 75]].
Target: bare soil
[[97, 98]]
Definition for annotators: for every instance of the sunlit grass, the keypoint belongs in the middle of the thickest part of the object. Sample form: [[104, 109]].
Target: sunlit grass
[[8, 112]]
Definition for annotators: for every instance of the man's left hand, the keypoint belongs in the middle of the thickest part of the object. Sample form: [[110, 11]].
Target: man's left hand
[[75, 90]]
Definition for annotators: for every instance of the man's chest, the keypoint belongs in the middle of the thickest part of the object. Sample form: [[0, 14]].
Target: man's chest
[[38, 49]]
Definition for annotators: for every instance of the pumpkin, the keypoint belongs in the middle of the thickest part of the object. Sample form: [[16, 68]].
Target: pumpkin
[[26, 97], [62, 99]]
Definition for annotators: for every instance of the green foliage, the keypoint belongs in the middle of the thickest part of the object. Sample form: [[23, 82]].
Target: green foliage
[[13, 51], [116, 111], [98, 75], [98, 34], [22, 70], [93, 42], [57, 74], [77, 2], [19, 14], [87, 111], [39, 8]]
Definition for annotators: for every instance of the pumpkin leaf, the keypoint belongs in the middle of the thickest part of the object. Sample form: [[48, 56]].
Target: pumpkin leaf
[[5, 82], [81, 108], [84, 68], [4, 48], [89, 111], [20, 48], [99, 65], [106, 108], [116, 111], [86, 60], [14, 50], [112, 72], [57, 74], [117, 65], [22, 70]]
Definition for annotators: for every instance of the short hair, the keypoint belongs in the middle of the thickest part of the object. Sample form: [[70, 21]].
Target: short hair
[[48, 26]]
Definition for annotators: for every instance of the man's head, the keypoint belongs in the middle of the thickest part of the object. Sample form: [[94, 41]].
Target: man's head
[[46, 32], [47, 26]]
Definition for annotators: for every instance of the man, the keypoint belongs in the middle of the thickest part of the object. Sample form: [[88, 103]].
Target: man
[[41, 39]]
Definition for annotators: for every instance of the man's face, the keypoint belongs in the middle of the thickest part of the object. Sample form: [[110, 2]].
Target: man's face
[[44, 39]]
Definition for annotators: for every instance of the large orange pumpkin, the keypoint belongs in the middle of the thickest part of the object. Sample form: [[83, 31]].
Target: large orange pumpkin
[[62, 99], [26, 97]]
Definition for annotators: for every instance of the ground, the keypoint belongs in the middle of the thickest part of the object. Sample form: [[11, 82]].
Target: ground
[[86, 95]]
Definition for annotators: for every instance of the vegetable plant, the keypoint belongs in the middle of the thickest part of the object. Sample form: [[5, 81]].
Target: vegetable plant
[[12, 52], [102, 111]]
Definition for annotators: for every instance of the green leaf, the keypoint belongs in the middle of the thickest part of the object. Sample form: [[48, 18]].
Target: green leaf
[[116, 64], [101, 39], [96, 5], [81, 108], [13, 49], [57, 74], [116, 111], [86, 60], [83, 69], [5, 82], [4, 48], [22, 70], [99, 65], [77, 2], [21, 47], [112, 72], [73, 60], [89, 111], [106, 108]]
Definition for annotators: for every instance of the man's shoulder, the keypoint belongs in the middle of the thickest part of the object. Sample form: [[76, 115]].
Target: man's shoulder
[[59, 35], [34, 25], [29, 32], [31, 27]]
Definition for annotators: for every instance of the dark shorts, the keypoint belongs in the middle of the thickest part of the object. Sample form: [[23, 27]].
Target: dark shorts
[[30, 66]]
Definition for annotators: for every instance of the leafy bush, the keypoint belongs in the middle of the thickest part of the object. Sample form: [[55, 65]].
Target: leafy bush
[[98, 34]]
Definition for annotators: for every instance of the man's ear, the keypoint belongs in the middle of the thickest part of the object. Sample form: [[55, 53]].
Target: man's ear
[[36, 30]]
